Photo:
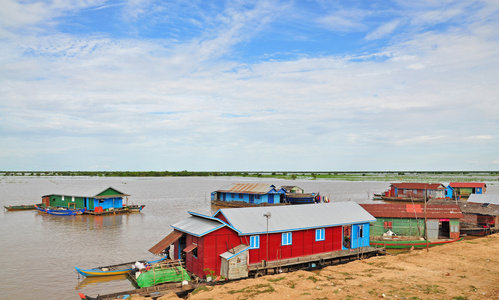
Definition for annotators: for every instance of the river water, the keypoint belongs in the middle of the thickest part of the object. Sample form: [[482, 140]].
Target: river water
[[38, 252]]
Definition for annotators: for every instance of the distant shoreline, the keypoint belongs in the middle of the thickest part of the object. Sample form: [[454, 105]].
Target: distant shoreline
[[391, 176]]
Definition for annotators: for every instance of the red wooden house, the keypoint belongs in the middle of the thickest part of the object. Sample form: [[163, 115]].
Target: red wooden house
[[258, 236], [408, 190]]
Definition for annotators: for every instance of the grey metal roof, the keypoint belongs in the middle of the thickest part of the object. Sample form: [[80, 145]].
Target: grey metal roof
[[251, 220], [82, 191], [484, 198], [198, 225], [248, 188], [235, 251]]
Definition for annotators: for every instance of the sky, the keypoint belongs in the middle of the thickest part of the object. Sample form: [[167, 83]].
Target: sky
[[267, 85]]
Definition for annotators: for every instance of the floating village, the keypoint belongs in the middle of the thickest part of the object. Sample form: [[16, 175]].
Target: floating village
[[261, 229]]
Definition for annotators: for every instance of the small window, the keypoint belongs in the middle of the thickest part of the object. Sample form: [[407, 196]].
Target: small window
[[287, 239], [254, 242], [361, 231], [257, 196], [387, 224], [62, 198], [320, 234], [195, 252]]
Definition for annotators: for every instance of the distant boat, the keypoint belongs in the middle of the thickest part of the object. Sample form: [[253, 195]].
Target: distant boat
[[60, 211], [134, 208], [22, 207], [403, 199], [406, 244], [118, 269]]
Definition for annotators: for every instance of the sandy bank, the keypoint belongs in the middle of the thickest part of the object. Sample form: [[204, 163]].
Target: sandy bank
[[465, 270]]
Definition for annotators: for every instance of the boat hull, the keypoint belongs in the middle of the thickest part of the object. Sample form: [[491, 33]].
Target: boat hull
[[389, 244], [21, 207], [120, 269], [98, 272], [60, 212]]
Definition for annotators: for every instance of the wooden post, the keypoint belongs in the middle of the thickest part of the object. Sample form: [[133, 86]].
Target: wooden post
[[425, 224]]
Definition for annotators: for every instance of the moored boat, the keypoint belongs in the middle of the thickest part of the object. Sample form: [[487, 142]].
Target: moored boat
[[403, 199], [134, 208], [118, 269], [409, 243], [22, 207], [60, 211]]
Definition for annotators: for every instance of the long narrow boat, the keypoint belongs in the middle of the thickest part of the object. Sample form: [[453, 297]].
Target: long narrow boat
[[22, 207], [119, 269], [60, 211], [391, 244]]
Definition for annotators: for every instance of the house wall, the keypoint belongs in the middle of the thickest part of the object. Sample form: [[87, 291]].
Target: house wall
[[303, 243], [108, 203], [455, 230], [210, 246], [65, 200], [250, 198], [400, 226], [417, 193]]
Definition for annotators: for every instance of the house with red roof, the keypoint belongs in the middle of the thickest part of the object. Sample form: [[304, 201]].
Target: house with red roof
[[416, 192], [442, 221], [456, 190], [237, 242]]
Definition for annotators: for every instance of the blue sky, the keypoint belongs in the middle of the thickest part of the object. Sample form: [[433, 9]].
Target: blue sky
[[249, 85]]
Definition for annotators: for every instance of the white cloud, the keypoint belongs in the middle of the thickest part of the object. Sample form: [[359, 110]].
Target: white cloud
[[106, 95], [383, 30]]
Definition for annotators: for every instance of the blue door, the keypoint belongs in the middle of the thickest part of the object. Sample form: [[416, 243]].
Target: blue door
[[271, 198], [251, 198]]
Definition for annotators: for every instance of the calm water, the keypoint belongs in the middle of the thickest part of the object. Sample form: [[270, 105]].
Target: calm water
[[38, 252]]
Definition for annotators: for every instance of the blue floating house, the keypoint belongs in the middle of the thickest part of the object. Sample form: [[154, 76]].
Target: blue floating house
[[250, 193], [91, 198], [456, 190]]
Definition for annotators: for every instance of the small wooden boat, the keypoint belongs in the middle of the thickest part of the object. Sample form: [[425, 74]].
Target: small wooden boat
[[60, 211], [406, 244], [134, 208], [403, 199], [22, 207], [119, 269]]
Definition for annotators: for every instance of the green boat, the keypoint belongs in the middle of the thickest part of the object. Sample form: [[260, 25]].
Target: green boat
[[406, 244], [22, 207]]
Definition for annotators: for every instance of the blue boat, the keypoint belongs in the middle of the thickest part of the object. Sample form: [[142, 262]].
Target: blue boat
[[118, 269], [60, 211]]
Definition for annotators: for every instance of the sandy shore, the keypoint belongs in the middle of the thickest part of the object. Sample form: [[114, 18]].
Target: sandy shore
[[464, 270]]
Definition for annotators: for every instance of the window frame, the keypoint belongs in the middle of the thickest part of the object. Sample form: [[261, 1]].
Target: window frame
[[286, 238], [320, 234], [254, 242]]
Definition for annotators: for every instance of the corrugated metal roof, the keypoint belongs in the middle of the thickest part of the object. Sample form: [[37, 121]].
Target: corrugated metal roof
[[450, 211], [467, 184], [418, 186], [479, 208], [235, 251], [251, 220], [198, 225], [484, 198], [83, 191], [248, 188], [190, 248], [167, 241]]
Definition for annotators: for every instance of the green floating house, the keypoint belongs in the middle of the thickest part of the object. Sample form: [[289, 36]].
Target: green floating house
[[91, 198], [442, 221]]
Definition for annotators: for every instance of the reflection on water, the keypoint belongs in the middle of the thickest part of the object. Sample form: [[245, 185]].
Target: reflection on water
[[44, 249], [89, 281]]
